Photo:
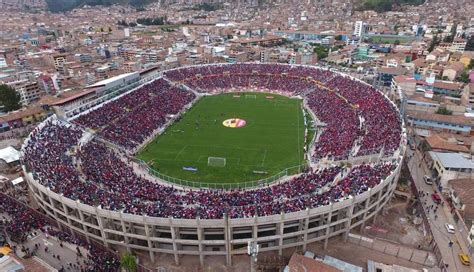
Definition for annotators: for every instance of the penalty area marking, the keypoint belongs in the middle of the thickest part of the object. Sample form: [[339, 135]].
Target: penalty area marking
[[264, 157], [181, 151]]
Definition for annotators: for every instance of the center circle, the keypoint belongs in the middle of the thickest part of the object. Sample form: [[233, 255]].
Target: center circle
[[234, 123]]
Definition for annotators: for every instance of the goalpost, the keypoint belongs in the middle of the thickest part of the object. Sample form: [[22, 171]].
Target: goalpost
[[251, 96], [216, 161]]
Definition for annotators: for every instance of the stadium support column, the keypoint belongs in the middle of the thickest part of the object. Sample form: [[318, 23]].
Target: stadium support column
[[150, 243], [379, 203], [227, 237], [255, 229], [328, 228], [66, 211], [306, 225], [366, 207], [84, 227], [350, 212], [101, 227], [174, 234], [124, 232], [280, 231], [199, 235]]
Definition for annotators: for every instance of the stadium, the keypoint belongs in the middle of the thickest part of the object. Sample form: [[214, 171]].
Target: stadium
[[201, 160]]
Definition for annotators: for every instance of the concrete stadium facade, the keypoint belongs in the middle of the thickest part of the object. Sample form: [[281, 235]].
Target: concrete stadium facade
[[216, 237]]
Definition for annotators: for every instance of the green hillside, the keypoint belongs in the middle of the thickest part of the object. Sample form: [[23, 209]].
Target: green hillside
[[385, 5], [66, 5]]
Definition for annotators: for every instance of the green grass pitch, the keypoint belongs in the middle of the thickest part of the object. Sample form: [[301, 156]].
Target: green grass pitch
[[271, 141]]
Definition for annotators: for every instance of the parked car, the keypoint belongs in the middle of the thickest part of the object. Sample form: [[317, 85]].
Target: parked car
[[436, 198], [464, 259], [428, 180], [449, 228]]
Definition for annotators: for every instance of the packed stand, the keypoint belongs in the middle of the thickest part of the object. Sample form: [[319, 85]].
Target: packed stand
[[342, 124], [267, 77], [23, 220], [381, 121], [138, 195], [48, 155], [148, 107]]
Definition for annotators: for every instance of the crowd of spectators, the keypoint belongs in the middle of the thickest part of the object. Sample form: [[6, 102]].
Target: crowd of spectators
[[149, 107], [107, 179], [23, 220], [351, 111], [357, 112], [342, 124], [381, 121], [286, 79]]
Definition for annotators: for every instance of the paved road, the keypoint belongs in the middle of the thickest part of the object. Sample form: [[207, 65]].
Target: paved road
[[442, 237], [67, 252]]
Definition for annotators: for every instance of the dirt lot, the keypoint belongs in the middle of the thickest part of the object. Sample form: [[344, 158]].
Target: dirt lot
[[398, 225]]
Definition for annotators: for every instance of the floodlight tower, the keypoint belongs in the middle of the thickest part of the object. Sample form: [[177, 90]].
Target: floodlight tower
[[252, 251]]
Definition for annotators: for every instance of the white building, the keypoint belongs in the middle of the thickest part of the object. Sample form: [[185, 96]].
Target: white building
[[449, 166], [470, 29], [359, 28], [3, 62], [458, 45]]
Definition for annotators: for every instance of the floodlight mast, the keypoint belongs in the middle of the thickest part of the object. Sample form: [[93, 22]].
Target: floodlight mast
[[252, 250]]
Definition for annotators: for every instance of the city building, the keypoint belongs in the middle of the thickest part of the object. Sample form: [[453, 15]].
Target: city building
[[359, 29], [449, 166], [467, 97], [440, 122], [29, 90]]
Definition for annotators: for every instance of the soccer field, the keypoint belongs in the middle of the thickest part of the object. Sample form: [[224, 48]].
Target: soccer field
[[270, 139]]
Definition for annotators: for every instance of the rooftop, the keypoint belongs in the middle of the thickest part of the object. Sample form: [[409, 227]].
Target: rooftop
[[451, 119], [22, 113], [465, 191], [436, 142], [392, 70], [9, 154], [110, 80], [301, 263], [447, 85], [341, 265], [452, 160]]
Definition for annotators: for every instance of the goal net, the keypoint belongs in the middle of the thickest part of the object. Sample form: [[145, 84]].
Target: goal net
[[251, 96], [216, 161]]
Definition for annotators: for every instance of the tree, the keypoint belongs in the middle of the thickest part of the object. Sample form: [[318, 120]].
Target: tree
[[128, 262], [321, 51], [444, 111], [434, 43], [101, 29], [471, 64], [464, 77], [9, 98], [110, 29], [396, 42], [450, 37], [338, 38]]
